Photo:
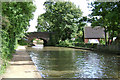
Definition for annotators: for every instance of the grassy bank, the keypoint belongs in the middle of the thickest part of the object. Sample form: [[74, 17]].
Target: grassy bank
[[80, 45]]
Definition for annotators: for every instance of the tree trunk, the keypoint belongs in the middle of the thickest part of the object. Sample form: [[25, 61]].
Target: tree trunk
[[83, 34], [112, 36], [109, 39], [105, 37]]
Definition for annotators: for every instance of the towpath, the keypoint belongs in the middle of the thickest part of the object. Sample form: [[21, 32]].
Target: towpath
[[21, 66]]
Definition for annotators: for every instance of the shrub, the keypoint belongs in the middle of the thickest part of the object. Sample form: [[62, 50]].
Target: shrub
[[22, 42], [102, 41], [66, 43]]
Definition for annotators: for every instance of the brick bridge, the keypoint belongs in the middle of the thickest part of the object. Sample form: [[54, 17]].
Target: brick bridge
[[47, 37]]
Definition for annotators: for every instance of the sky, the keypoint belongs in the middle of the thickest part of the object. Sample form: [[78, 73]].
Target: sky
[[40, 10]]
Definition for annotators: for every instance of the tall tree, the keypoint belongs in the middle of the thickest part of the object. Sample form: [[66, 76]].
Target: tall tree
[[18, 14], [109, 15], [60, 17]]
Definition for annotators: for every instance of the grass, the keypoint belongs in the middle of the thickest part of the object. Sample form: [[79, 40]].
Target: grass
[[76, 44]]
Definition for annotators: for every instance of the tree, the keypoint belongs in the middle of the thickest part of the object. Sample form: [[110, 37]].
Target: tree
[[17, 16], [60, 17], [108, 17]]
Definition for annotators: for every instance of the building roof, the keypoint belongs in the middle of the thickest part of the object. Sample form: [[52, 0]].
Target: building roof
[[92, 33]]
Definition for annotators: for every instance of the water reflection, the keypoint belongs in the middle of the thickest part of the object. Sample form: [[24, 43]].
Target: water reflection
[[38, 46], [0, 62], [67, 63]]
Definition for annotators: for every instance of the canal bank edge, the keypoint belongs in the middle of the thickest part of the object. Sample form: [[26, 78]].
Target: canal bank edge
[[101, 48], [98, 49], [21, 66], [109, 48]]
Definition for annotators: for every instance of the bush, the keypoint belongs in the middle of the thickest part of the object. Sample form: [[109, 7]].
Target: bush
[[66, 43], [5, 48], [80, 44], [5, 51], [69, 43], [3, 66], [102, 41], [86, 45], [22, 42]]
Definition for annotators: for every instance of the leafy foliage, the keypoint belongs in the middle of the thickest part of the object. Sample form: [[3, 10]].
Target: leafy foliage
[[109, 17], [15, 19], [63, 18], [66, 43]]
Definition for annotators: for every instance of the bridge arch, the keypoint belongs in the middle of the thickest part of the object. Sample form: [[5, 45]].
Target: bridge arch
[[45, 36], [44, 41]]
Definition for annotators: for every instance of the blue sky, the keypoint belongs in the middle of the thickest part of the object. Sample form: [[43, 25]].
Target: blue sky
[[40, 9]]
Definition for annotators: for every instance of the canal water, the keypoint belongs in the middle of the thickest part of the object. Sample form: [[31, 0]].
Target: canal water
[[59, 62], [0, 63]]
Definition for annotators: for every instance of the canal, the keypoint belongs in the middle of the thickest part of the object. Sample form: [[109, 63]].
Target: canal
[[60, 62]]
